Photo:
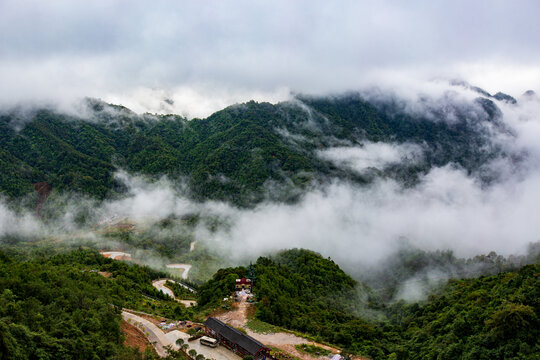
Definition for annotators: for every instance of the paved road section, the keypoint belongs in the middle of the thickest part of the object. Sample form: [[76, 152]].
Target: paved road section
[[160, 285], [186, 268]]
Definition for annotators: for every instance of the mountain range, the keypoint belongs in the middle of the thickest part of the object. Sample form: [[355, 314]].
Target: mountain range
[[248, 152]]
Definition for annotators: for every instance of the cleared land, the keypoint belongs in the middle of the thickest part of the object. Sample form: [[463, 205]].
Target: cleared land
[[135, 337]]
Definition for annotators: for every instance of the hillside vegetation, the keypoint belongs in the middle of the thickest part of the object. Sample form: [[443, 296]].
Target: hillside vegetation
[[235, 153], [59, 306], [494, 317]]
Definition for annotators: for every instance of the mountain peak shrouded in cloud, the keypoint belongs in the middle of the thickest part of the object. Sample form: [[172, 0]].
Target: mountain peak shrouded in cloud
[[530, 94], [505, 97], [468, 86]]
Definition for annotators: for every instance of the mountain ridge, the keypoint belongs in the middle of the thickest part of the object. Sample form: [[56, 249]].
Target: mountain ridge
[[234, 153]]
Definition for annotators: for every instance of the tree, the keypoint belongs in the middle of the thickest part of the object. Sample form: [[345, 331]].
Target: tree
[[511, 320]]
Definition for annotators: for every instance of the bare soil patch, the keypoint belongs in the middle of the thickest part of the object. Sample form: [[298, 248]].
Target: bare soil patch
[[237, 317], [134, 337], [105, 274]]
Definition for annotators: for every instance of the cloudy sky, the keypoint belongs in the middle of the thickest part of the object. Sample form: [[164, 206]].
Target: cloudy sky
[[208, 54]]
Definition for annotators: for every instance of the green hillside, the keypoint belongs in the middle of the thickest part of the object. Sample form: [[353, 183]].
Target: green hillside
[[60, 307], [495, 317], [231, 155]]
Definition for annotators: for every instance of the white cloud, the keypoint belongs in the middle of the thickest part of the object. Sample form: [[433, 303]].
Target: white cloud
[[12, 223], [372, 155], [191, 101], [363, 225]]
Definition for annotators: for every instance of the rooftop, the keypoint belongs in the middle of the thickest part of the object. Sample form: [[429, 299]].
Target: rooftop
[[235, 336]]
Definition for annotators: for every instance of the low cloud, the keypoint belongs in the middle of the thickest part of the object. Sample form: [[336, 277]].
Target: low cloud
[[207, 55], [372, 155], [359, 226], [15, 224]]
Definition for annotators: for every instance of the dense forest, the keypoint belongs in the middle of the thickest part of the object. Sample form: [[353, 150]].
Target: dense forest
[[490, 317], [235, 153]]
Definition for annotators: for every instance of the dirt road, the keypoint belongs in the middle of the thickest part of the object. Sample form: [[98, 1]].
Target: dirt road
[[238, 316], [160, 285]]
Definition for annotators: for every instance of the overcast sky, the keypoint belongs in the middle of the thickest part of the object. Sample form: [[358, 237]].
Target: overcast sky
[[207, 54]]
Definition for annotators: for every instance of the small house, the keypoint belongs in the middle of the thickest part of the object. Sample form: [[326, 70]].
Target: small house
[[243, 284]]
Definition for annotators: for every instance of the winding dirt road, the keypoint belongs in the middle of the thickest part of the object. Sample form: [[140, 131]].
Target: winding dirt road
[[160, 285]]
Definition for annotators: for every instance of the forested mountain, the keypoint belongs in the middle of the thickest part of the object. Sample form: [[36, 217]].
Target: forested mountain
[[245, 154], [488, 317], [495, 317], [237, 152]]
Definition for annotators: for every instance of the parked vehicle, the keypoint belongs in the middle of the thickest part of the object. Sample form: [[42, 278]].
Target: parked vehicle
[[208, 341]]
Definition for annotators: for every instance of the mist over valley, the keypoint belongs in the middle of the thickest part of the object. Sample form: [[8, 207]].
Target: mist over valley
[[355, 176]]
